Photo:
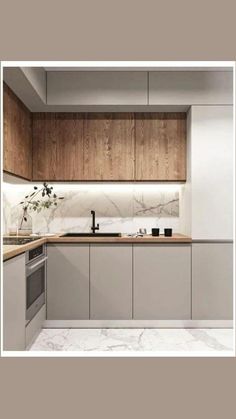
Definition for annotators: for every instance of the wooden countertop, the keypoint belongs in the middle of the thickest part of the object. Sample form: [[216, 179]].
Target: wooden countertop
[[10, 251]]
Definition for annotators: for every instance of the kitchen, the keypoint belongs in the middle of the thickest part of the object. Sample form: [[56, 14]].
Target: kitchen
[[118, 209]]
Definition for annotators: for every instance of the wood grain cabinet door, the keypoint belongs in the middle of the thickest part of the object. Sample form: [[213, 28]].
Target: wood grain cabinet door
[[17, 145], [109, 146], [57, 146], [160, 147]]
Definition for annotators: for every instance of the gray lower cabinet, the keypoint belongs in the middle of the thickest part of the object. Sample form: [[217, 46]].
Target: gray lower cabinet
[[162, 281], [212, 281], [14, 304], [111, 281], [68, 282]]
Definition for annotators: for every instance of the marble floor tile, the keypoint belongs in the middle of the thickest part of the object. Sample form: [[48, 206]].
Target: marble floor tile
[[134, 340]]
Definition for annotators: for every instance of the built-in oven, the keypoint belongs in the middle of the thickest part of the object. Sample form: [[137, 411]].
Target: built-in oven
[[35, 280]]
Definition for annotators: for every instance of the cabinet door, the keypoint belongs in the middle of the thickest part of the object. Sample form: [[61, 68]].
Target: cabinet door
[[109, 146], [17, 145], [110, 281], [57, 146], [190, 87], [14, 304], [162, 282], [97, 88], [212, 281], [212, 172], [68, 282], [160, 148]]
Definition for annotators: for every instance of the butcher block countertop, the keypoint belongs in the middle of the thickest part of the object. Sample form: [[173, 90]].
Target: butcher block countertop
[[10, 251]]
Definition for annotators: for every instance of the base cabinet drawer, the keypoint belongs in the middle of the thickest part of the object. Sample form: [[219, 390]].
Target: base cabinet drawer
[[212, 281], [68, 282], [14, 304], [110, 281], [162, 282]]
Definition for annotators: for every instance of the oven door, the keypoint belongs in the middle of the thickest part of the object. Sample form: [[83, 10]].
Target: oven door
[[35, 287]]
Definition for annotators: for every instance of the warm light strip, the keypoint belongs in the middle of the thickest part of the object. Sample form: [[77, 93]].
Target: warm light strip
[[106, 187]]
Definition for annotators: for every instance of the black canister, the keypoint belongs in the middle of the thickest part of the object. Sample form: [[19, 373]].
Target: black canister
[[155, 231], [168, 232]]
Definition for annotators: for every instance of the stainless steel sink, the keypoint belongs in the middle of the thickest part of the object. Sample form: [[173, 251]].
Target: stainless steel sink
[[92, 235], [18, 240]]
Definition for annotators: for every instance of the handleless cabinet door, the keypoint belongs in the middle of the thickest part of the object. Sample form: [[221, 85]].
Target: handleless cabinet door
[[14, 304], [190, 87], [17, 131], [162, 282], [110, 281], [109, 146], [160, 146], [57, 146], [97, 88], [68, 282], [212, 281]]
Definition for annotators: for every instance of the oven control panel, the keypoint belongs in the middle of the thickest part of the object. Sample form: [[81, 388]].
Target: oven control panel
[[34, 253]]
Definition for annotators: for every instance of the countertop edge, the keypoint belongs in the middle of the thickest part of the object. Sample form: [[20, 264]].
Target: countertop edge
[[19, 249]]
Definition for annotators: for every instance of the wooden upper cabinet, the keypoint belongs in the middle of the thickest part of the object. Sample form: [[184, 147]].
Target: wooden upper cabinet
[[57, 146], [17, 146], [160, 150], [109, 146], [82, 147]]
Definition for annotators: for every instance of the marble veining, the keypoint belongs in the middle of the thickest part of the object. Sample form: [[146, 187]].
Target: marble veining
[[121, 208], [134, 340]]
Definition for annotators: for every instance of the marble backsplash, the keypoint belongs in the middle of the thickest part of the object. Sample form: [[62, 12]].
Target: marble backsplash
[[119, 207]]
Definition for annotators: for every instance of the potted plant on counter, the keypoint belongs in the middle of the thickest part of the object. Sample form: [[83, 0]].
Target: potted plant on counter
[[37, 200]]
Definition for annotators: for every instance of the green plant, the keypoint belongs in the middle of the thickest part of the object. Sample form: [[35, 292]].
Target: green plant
[[48, 199]]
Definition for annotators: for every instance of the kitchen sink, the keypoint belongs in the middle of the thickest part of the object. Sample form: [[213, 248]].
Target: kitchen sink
[[18, 240], [92, 235]]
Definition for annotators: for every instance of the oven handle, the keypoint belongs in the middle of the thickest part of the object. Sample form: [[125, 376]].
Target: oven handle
[[31, 267]]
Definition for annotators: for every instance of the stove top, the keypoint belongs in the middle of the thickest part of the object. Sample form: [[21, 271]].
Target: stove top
[[19, 240]]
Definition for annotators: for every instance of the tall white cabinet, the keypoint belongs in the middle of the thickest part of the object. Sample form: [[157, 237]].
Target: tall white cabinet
[[212, 172], [211, 152]]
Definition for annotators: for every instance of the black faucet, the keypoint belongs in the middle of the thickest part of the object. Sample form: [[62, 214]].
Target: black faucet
[[94, 228]]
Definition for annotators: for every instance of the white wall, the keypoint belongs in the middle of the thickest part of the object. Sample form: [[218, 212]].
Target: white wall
[[212, 172]]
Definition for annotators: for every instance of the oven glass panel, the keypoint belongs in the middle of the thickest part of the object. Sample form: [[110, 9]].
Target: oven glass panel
[[35, 285]]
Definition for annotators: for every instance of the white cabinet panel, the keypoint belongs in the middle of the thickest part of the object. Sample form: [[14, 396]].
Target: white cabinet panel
[[162, 282], [14, 304], [111, 281], [97, 88], [68, 282], [212, 281], [190, 88], [212, 172]]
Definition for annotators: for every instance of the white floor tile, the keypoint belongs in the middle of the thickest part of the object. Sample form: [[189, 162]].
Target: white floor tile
[[134, 340]]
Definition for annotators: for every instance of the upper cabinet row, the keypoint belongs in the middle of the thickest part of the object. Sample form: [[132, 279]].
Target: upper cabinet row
[[109, 146], [93, 146], [86, 88]]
